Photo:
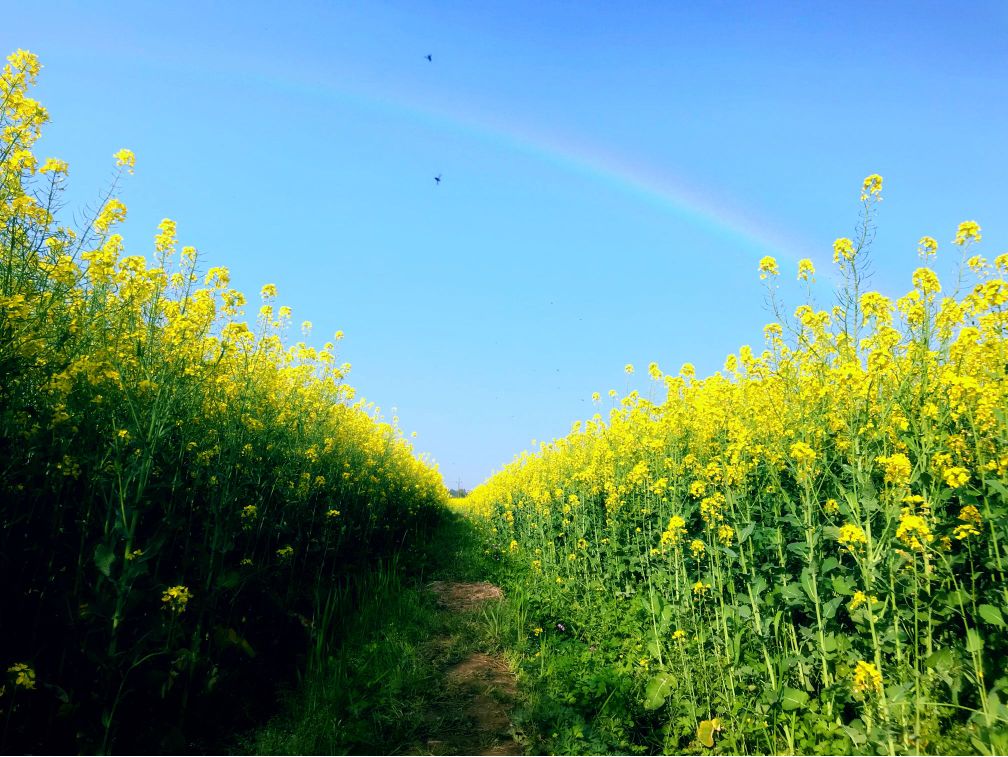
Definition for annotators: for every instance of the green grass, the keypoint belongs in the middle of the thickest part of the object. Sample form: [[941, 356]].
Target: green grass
[[373, 682]]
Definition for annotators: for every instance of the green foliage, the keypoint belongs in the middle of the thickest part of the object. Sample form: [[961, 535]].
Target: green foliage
[[176, 486], [803, 553]]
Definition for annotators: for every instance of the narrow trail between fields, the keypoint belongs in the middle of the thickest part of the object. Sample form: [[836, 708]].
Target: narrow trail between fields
[[480, 687]]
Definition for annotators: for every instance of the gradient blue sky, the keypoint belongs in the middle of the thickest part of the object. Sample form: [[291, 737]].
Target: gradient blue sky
[[612, 173]]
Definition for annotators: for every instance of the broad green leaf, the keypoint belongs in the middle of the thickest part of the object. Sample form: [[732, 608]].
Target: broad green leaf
[[792, 699], [991, 615], [666, 614], [942, 659], [842, 585], [808, 584], [658, 689], [974, 641], [998, 487], [830, 642], [830, 608], [793, 593], [104, 557], [856, 731]]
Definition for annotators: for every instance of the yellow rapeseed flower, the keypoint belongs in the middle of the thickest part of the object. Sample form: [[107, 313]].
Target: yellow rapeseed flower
[[867, 678], [852, 537], [859, 599], [872, 186], [125, 159], [897, 468], [926, 281], [914, 531], [806, 270], [176, 598], [674, 532], [113, 212], [843, 249], [956, 476], [768, 267], [971, 521], [927, 247], [700, 588], [968, 231], [53, 165], [24, 675]]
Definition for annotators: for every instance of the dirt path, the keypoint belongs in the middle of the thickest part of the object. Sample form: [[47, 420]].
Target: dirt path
[[480, 687]]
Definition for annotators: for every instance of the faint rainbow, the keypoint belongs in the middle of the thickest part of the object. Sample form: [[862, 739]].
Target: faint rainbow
[[684, 199]]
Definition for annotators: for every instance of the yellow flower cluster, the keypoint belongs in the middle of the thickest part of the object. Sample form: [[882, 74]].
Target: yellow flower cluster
[[860, 598], [674, 532], [879, 416], [843, 250], [968, 231], [897, 468], [24, 675], [852, 537], [175, 598], [872, 186], [867, 679], [768, 267], [971, 522], [913, 530]]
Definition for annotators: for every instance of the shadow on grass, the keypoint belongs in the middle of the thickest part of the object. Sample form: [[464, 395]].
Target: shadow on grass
[[374, 679]]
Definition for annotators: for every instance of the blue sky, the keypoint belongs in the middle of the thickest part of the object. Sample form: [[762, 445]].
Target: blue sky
[[612, 173]]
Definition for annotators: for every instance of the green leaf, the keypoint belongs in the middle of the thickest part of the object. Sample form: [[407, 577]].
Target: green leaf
[[997, 486], [856, 732], [828, 564], [104, 557], [830, 608], [658, 689], [792, 699], [793, 593], [991, 615], [229, 580], [666, 615], [842, 585], [808, 584], [745, 531], [974, 641], [942, 659], [830, 642]]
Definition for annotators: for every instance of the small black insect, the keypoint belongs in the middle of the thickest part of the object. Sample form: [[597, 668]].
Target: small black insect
[[437, 179], [428, 57]]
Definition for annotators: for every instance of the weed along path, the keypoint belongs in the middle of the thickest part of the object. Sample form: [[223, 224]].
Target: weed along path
[[481, 686]]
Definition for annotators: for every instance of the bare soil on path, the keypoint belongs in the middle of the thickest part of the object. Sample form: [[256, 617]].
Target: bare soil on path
[[481, 687]]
